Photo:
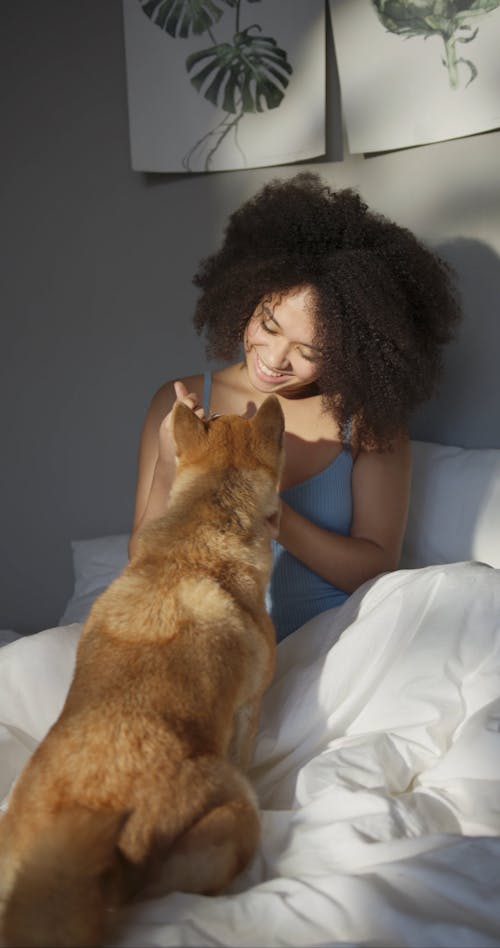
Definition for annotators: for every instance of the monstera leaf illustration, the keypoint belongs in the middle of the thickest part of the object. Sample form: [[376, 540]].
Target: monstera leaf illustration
[[248, 74], [183, 17], [238, 76], [445, 18]]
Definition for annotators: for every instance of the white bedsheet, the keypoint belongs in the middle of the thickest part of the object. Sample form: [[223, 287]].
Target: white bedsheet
[[377, 768]]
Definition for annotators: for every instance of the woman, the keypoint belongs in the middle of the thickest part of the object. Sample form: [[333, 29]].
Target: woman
[[343, 315]]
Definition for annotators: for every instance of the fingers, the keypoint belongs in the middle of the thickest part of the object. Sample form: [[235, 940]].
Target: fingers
[[181, 391], [190, 399]]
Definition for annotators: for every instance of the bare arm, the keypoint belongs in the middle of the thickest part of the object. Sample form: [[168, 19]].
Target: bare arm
[[156, 464], [380, 487]]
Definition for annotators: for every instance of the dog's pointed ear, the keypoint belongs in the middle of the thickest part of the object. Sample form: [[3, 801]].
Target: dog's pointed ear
[[189, 431], [269, 426]]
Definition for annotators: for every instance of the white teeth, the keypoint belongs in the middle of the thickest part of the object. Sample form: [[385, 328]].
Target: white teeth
[[263, 368], [267, 371]]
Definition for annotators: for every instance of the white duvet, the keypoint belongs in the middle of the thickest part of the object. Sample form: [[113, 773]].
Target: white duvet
[[377, 769]]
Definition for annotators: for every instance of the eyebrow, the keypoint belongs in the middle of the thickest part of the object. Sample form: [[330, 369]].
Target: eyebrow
[[270, 315]]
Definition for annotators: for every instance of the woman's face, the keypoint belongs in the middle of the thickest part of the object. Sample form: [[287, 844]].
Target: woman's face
[[279, 343]]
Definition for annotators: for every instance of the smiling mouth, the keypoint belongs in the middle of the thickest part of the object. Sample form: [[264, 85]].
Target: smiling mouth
[[270, 374]]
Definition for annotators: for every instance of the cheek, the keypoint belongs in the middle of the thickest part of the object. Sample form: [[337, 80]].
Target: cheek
[[308, 371], [253, 333]]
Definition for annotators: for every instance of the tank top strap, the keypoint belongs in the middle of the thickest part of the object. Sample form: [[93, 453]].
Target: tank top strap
[[207, 392]]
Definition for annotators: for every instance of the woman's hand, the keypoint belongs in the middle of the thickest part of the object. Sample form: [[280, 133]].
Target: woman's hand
[[157, 462], [187, 398], [166, 445]]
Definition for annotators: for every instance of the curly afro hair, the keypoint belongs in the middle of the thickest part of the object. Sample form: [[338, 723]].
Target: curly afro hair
[[383, 303]]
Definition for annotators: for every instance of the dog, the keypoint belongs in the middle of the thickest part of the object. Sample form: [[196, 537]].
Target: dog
[[142, 777]]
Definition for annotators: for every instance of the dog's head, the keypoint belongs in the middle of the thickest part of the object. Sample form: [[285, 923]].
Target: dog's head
[[230, 440], [243, 453]]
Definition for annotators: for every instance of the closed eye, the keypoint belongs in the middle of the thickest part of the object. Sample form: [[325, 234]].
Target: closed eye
[[308, 358], [266, 327]]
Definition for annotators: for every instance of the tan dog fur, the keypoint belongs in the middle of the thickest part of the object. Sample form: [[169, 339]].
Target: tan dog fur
[[143, 771]]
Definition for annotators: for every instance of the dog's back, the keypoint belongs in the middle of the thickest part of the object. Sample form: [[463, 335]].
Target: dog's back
[[158, 726]]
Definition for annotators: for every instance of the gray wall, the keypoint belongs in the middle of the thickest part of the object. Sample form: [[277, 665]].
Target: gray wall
[[96, 283]]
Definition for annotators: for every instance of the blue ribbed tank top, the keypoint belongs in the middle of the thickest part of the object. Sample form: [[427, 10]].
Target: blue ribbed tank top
[[296, 593]]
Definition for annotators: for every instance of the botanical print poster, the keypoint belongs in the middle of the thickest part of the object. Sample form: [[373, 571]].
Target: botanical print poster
[[416, 71], [215, 85]]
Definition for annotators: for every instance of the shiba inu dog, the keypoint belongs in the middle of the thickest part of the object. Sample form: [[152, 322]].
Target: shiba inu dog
[[142, 775]]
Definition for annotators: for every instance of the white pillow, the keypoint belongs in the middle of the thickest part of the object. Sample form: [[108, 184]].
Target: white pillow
[[96, 563], [454, 506]]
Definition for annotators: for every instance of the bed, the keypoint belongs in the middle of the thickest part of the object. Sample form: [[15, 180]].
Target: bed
[[378, 759]]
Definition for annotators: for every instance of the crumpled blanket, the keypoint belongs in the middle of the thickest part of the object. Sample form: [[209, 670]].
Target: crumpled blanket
[[377, 768]]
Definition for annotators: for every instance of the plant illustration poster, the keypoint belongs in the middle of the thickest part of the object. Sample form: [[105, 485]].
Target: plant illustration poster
[[416, 71], [217, 85]]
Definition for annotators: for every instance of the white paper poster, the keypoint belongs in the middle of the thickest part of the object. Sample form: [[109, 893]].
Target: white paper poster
[[416, 71], [215, 85]]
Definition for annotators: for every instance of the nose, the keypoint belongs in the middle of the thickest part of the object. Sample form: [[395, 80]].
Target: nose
[[279, 354]]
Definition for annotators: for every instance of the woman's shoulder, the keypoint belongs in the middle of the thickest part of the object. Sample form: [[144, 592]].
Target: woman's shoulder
[[395, 457], [398, 448]]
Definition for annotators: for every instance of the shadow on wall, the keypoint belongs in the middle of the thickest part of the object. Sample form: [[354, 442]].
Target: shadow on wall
[[466, 411]]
